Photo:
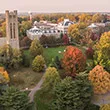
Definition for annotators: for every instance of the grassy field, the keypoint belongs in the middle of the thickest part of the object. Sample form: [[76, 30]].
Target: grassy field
[[50, 53], [24, 78]]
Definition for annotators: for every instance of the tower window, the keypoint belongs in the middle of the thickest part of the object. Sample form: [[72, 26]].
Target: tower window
[[11, 29], [14, 30]]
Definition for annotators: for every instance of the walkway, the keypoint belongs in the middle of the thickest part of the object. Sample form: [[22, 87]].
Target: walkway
[[36, 88]]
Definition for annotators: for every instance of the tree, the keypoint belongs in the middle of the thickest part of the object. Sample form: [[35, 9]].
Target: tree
[[3, 29], [85, 18], [38, 64], [9, 57], [23, 27], [51, 78], [102, 51], [36, 48], [100, 80], [73, 61], [4, 77], [96, 18], [13, 99], [72, 94], [77, 31]]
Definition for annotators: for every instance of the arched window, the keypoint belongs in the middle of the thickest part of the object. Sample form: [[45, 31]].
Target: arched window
[[11, 30], [14, 30]]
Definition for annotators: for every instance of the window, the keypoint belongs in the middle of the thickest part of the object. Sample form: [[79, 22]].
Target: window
[[11, 30]]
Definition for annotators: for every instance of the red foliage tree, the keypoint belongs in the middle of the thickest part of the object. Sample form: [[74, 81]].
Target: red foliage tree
[[73, 61], [65, 39]]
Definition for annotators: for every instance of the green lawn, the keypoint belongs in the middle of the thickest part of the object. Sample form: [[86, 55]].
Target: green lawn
[[50, 53]]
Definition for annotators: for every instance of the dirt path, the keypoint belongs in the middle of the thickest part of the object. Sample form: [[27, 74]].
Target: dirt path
[[36, 88]]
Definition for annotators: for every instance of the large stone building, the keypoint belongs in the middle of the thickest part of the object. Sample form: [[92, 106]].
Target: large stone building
[[12, 37]]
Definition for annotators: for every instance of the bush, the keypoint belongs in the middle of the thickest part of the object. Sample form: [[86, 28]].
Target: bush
[[105, 107], [100, 80], [26, 60], [72, 94], [36, 48], [38, 64], [51, 78], [73, 61], [13, 99], [89, 53], [102, 51]]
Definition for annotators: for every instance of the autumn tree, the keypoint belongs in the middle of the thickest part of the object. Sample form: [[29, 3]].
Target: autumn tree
[[100, 80], [102, 51], [73, 61], [96, 18], [77, 31], [3, 29], [85, 18], [23, 27]]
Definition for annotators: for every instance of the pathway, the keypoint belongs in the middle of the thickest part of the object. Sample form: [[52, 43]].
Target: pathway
[[36, 88]]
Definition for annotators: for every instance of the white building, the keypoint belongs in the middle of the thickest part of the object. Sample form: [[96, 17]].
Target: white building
[[63, 26]]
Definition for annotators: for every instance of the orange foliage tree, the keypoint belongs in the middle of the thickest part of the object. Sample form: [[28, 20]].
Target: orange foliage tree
[[73, 61], [100, 80], [4, 77]]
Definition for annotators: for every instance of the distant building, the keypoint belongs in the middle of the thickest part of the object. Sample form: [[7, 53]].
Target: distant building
[[48, 28], [63, 26]]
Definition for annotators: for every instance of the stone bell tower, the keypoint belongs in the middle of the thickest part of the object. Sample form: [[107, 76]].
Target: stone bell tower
[[12, 37]]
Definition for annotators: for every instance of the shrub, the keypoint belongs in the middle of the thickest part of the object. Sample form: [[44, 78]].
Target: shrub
[[102, 51], [70, 94], [65, 39], [36, 48], [38, 64], [89, 53], [13, 99], [105, 107], [100, 80], [51, 78], [4, 77], [73, 61]]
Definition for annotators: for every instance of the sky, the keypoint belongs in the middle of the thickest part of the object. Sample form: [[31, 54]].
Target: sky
[[55, 5]]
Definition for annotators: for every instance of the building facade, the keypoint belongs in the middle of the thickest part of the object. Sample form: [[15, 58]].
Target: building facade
[[12, 37]]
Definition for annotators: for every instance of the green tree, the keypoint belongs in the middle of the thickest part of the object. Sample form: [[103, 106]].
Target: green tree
[[72, 94], [13, 99], [36, 48]]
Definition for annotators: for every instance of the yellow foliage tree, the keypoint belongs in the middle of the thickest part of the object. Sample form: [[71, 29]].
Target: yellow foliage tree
[[105, 107], [100, 80]]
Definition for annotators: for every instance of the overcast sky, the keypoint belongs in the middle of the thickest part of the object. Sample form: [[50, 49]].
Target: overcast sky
[[56, 5]]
